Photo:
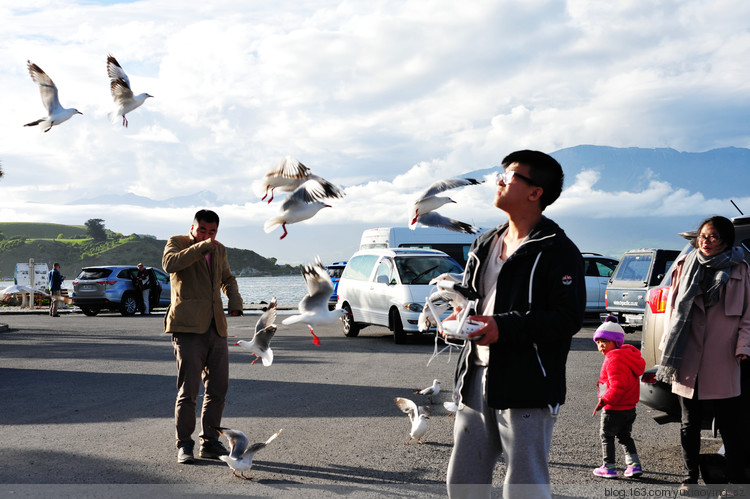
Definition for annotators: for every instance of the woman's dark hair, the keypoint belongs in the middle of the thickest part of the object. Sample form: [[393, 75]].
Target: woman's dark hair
[[723, 227]]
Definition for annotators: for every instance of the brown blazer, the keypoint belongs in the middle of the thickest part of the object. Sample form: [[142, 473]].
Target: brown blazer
[[196, 293]]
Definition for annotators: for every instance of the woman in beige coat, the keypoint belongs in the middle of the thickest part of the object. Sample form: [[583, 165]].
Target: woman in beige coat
[[708, 336]]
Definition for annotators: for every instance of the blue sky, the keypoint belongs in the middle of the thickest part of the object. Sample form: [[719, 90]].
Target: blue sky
[[381, 97]]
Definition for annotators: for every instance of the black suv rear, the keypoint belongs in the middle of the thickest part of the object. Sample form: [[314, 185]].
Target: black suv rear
[[638, 270]]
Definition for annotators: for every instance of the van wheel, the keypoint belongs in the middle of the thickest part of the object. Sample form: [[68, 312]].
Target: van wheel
[[399, 335], [350, 328], [128, 305]]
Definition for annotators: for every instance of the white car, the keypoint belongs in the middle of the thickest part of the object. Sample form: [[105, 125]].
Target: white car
[[598, 270], [388, 287]]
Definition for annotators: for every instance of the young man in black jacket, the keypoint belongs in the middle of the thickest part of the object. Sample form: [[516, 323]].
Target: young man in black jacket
[[510, 378]]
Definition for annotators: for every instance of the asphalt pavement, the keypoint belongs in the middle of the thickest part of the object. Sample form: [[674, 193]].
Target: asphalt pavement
[[87, 411]]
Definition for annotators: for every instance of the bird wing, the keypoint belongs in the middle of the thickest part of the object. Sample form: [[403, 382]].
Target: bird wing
[[47, 88], [252, 449], [268, 317], [434, 219], [450, 183], [115, 73], [121, 91], [319, 287], [237, 442], [407, 406], [289, 168], [309, 192], [322, 188], [262, 338]]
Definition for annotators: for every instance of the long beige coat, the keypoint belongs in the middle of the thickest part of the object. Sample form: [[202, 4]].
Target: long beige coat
[[196, 293], [717, 336]]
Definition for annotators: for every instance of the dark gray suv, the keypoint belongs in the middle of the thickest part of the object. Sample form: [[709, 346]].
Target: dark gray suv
[[111, 288]]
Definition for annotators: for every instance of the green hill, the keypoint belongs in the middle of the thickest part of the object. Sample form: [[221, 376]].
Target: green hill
[[73, 250]]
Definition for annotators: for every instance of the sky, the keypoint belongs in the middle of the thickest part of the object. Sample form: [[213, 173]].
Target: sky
[[379, 97]]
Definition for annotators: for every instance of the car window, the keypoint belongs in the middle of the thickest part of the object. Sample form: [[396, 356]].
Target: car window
[[422, 269], [161, 276], [92, 274], [335, 272], [604, 268], [127, 274], [360, 267], [385, 270], [634, 267]]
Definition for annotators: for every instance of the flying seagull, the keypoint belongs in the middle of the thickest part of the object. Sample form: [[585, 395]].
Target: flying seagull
[[303, 203], [423, 209], [241, 452], [430, 391], [260, 345], [56, 114], [313, 308], [123, 96], [418, 417], [288, 174]]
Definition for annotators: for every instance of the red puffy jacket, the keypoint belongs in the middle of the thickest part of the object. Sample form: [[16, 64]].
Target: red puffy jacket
[[619, 379]]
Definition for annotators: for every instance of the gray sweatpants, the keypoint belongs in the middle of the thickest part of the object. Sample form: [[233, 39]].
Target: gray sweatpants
[[481, 434]]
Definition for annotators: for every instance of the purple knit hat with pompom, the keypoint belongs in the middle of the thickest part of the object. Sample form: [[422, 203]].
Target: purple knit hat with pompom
[[610, 330]]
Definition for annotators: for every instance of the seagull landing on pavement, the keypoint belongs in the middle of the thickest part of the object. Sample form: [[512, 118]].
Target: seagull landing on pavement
[[313, 309], [56, 114], [430, 391], [260, 345], [288, 174], [418, 417], [423, 209], [241, 452], [123, 96]]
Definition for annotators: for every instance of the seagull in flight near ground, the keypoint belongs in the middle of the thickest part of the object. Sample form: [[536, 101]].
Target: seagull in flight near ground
[[303, 203], [260, 345], [288, 174], [123, 96], [241, 452], [56, 114], [423, 209], [418, 417], [313, 309], [430, 391]]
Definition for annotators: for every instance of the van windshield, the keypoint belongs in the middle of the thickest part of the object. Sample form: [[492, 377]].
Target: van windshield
[[422, 269], [634, 267]]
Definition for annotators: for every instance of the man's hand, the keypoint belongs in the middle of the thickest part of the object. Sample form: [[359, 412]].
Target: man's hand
[[488, 334], [598, 406]]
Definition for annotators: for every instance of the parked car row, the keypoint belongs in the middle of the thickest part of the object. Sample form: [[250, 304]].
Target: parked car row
[[112, 288]]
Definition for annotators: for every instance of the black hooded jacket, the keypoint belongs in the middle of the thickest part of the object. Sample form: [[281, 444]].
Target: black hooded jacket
[[539, 306]]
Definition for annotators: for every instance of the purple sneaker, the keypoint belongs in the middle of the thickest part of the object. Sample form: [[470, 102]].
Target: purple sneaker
[[633, 470], [605, 471]]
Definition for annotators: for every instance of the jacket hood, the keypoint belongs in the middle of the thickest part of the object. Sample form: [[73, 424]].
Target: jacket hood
[[629, 356]]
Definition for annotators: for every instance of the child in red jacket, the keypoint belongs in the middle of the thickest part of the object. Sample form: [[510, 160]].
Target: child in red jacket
[[619, 391]]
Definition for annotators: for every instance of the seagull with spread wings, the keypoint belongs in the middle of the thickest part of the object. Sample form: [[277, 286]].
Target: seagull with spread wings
[[423, 209], [241, 452], [260, 345], [56, 114], [288, 174], [125, 100]]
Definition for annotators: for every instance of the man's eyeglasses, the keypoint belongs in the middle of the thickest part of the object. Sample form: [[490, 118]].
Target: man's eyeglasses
[[507, 175], [711, 238]]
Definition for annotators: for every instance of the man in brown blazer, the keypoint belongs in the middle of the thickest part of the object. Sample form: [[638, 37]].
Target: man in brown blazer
[[199, 271]]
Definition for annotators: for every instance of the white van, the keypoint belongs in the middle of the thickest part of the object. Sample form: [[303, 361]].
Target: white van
[[388, 287], [455, 244]]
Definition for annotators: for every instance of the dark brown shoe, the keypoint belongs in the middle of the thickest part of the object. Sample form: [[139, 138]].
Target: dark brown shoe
[[185, 455]]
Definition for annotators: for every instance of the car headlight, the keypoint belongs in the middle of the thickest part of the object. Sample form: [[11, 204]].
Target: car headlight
[[413, 307]]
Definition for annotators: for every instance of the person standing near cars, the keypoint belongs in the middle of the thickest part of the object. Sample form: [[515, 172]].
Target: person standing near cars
[[143, 284], [54, 281], [707, 337], [199, 270], [510, 377], [619, 389]]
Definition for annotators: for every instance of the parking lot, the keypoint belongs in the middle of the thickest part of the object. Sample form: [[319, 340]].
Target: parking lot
[[88, 410]]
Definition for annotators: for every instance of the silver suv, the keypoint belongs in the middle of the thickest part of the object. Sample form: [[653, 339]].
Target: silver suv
[[111, 288]]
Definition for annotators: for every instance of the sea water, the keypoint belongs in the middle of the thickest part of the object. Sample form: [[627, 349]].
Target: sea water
[[288, 290]]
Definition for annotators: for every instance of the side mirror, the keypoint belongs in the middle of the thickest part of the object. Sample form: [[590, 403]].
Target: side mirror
[[382, 279]]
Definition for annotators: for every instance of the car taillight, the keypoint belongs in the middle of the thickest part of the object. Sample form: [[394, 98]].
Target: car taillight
[[649, 378], [110, 282], [657, 299], [606, 299], [75, 283]]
